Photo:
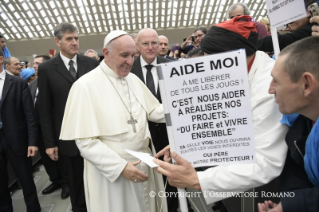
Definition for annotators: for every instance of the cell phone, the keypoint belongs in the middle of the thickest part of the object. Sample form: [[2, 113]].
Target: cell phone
[[313, 9], [193, 39]]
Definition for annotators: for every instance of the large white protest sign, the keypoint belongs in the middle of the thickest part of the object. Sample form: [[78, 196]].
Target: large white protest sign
[[207, 101], [282, 12]]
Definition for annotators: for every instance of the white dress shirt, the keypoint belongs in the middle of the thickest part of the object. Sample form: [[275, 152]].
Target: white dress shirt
[[36, 96], [154, 72], [67, 60], [2, 78]]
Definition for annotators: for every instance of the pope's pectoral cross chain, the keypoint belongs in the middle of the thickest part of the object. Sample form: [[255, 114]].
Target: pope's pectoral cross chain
[[132, 121]]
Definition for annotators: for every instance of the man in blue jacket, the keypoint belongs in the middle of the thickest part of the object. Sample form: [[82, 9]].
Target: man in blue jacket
[[295, 85]]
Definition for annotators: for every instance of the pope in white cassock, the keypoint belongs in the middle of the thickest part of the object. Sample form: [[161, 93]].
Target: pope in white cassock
[[108, 109]]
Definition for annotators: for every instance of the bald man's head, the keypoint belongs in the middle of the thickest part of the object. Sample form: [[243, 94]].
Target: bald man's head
[[162, 46], [147, 44]]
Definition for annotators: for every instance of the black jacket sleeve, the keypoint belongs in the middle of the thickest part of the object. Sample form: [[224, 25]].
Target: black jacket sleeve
[[29, 115], [305, 200], [265, 43]]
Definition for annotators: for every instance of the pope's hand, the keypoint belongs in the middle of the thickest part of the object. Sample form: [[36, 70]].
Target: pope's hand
[[53, 153], [166, 152], [133, 174], [182, 175]]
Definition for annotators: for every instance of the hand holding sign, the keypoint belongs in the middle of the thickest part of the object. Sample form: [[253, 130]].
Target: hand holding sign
[[182, 175], [166, 152]]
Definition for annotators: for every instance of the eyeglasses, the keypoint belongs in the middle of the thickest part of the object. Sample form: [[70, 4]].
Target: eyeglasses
[[198, 36], [147, 44]]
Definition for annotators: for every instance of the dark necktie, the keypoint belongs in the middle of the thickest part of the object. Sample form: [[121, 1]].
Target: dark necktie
[[72, 70], [149, 79]]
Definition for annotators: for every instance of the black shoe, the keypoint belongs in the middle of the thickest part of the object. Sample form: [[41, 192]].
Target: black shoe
[[51, 188], [65, 192]]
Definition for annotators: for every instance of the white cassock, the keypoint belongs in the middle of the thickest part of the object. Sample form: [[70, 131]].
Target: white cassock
[[95, 116]]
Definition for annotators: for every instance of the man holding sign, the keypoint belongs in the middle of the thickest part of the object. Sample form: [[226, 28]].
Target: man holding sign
[[299, 29], [238, 33]]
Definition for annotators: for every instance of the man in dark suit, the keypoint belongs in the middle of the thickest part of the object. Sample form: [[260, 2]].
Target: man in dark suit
[[57, 175], [147, 44], [18, 133], [12, 66], [144, 68], [56, 77], [163, 47]]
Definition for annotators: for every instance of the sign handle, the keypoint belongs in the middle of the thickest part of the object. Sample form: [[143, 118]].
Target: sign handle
[[181, 192], [182, 200], [275, 42]]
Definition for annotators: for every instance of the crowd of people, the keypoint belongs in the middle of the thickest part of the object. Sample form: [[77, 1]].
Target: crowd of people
[[79, 112]]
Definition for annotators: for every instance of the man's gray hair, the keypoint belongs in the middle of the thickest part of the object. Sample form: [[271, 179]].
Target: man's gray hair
[[91, 50], [7, 61], [302, 56], [234, 6], [61, 28], [133, 35]]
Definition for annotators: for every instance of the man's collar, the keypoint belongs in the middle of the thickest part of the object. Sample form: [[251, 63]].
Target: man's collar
[[3, 74], [67, 60], [143, 63], [9, 73]]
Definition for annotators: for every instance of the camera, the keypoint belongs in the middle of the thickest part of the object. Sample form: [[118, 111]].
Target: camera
[[313, 9], [193, 39]]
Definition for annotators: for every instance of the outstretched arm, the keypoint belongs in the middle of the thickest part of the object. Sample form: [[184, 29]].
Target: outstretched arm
[[182, 175]]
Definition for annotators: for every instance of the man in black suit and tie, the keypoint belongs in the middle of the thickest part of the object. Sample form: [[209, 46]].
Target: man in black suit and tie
[[144, 68], [163, 47], [56, 77], [57, 173], [18, 134]]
